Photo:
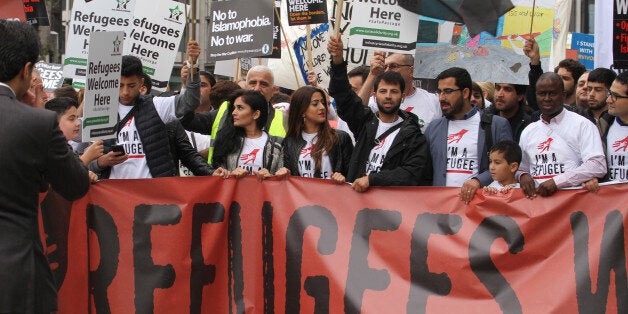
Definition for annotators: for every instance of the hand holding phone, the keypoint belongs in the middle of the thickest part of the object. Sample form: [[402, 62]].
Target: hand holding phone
[[118, 149]]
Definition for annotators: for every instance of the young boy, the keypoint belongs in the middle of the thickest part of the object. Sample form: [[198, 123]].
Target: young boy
[[66, 109], [504, 159]]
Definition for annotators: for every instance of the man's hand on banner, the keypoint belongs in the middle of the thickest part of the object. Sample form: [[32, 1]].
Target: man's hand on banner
[[527, 184], [361, 184]]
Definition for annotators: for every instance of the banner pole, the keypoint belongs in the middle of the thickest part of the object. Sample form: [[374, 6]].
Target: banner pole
[[190, 33], [532, 18], [236, 74], [310, 66], [294, 68], [339, 6]]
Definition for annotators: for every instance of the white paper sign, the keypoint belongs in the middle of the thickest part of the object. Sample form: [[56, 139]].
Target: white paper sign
[[104, 65]]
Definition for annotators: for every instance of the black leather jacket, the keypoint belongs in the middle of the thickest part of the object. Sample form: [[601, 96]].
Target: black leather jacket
[[182, 150]]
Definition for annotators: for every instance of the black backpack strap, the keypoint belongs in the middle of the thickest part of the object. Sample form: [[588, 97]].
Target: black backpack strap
[[486, 121], [118, 126]]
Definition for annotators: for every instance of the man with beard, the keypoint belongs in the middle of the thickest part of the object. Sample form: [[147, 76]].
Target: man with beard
[[598, 84], [459, 141], [509, 102], [563, 149], [390, 149]]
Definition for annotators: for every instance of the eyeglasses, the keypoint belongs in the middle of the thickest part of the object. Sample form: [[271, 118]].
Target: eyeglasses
[[614, 96], [447, 91], [394, 66]]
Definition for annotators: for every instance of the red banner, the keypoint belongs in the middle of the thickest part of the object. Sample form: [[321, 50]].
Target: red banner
[[208, 245], [12, 9]]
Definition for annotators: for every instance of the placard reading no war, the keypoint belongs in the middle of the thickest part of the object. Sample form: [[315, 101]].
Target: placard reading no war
[[240, 28]]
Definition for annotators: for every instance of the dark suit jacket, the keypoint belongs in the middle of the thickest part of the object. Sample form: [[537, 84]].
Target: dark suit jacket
[[33, 151]]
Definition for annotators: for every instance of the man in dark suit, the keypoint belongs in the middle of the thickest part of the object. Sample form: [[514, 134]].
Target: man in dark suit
[[33, 152]]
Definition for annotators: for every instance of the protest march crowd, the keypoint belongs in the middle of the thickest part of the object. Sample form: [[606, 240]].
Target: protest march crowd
[[567, 128]]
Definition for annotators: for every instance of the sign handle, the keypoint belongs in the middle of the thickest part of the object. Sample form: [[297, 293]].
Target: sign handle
[[310, 63], [532, 18]]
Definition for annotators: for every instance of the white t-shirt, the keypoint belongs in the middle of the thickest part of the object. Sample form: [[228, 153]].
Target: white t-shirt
[[252, 156], [550, 149], [499, 186], [198, 141], [463, 160], [306, 161], [135, 167], [422, 103], [617, 152], [378, 153]]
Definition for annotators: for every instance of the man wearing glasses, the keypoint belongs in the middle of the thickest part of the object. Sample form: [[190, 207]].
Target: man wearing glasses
[[617, 135], [563, 149], [458, 141], [418, 101], [598, 83]]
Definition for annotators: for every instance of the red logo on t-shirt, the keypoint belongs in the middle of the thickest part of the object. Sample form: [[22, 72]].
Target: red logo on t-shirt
[[545, 145], [128, 123], [621, 144], [456, 137], [409, 109], [381, 143], [250, 157], [306, 152]]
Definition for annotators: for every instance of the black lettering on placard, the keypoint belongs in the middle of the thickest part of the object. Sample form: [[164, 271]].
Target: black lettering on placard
[[202, 274], [149, 276], [318, 288], [268, 261], [490, 229], [360, 276], [103, 225], [612, 257], [300, 220], [422, 281], [236, 274]]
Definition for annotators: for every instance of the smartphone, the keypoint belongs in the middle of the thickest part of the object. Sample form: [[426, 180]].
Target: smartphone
[[119, 149]]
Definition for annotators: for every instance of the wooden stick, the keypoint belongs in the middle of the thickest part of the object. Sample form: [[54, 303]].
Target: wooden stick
[[236, 74], [294, 67], [532, 19], [310, 64], [339, 6]]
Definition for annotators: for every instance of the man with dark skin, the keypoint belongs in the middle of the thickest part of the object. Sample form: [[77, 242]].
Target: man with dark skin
[[570, 139]]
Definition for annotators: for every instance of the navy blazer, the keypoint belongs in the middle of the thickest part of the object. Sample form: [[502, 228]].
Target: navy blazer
[[436, 134]]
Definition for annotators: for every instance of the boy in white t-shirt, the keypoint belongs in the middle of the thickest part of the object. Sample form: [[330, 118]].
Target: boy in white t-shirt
[[504, 160]]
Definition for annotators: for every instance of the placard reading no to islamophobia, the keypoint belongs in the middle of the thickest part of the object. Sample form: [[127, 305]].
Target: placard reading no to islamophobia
[[240, 28]]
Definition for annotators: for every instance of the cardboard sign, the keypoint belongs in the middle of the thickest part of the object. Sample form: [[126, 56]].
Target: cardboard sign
[[584, 46], [104, 66], [240, 28], [12, 9], [309, 246], [89, 17], [36, 13], [620, 34], [383, 25], [301, 12]]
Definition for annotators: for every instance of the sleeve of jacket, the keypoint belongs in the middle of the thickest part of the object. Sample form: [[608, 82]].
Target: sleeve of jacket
[[346, 149], [501, 132], [187, 153], [191, 98], [415, 168], [64, 170], [533, 76], [348, 104], [199, 122], [289, 159]]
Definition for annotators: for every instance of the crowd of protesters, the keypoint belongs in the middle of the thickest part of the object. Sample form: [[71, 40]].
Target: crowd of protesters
[[567, 128]]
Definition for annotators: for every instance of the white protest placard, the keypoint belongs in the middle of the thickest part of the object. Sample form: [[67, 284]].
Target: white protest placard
[[240, 28], [154, 36], [383, 25], [88, 17], [51, 75], [104, 65]]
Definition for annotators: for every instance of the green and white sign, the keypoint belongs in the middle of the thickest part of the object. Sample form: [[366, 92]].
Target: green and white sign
[[87, 17], [154, 37], [383, 25], [104, 65]]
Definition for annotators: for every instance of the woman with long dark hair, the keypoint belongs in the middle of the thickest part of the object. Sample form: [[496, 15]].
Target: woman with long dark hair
[[312, 148], [242, 146]]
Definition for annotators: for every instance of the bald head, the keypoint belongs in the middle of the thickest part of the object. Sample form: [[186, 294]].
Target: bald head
[[261, 78], [551, 77]]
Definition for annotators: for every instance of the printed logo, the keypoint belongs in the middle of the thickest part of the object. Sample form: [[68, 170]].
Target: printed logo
[[250, 157], [456, 137], [175, 12], [128, 123], [381, 144], [621, 144], [116, 45], [307, 152], [409, 109], [545, 145], [122, 4]]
